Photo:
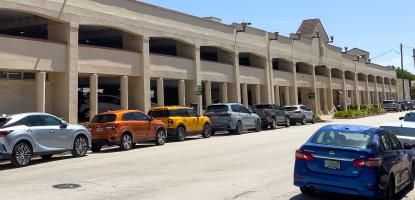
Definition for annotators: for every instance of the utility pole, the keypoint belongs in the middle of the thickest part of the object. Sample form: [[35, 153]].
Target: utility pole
[[403, 79]]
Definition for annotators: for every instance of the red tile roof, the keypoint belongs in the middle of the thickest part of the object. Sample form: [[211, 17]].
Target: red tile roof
[[308, 26]]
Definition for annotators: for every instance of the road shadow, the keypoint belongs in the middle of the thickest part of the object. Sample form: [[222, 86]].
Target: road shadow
[[331, 196], [115, 148], [7, 165]]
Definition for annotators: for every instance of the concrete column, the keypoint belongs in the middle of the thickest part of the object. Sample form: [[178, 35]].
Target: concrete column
[[390, 89], [224, 92], [160, 92], [293, 93], [316, 103], [124, 92], [245, 94], [208, 93], [383, 89], [257, 89], [330, 97], [368, 97], [139, 84], [287, 95], [376, 92], [235, 86], [66, 85], [182, 92], [344, 91], [41, 92], [277, 95], [325, 105], [356, 90], [93, 95]]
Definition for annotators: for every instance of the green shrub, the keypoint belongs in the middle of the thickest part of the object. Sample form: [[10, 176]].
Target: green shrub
[[365, 110]]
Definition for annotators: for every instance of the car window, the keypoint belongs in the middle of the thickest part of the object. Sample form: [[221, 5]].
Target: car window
[[386, 102], [396, 144], [304, 108], [159, 113], [34, 120], [244, 109], [178, 113], [342, 139], [51, 121], [410, 117], [140, 116], [191, 113], [217, 108], [128, 117], [3, 121], [386, 143], [236, 108], [263, 106], [291, 108], [104, 118]]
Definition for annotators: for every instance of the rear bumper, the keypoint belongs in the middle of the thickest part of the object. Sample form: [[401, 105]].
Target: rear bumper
[[365, 185]]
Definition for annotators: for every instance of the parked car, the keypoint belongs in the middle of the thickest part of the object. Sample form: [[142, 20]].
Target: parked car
[[406, 105], [391, 105], [182, 122], [232, 117], [404, 129], [125, 128], [105, 103], [23, 136], [300, 113], [354, 160], [272, 115]]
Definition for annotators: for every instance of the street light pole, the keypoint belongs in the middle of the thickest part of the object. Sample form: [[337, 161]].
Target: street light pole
[[403, 79]]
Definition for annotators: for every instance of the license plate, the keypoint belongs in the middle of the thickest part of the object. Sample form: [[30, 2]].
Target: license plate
[[331, 164], [98, 130]]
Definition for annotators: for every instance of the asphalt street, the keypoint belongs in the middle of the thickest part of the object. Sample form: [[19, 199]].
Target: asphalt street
[[225, 167]]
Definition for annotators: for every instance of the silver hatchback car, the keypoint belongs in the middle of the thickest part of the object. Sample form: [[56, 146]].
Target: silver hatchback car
[[23, 136], [232, 117]]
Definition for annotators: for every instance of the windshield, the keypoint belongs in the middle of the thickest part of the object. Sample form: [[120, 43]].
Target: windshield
[[410, 117], [385, 102], [341, 139], [3, 121], [100, 119], [291, 108], [264, 106], [217, 108]]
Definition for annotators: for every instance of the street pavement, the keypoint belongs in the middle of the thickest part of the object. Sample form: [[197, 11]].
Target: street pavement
[[225, 167]]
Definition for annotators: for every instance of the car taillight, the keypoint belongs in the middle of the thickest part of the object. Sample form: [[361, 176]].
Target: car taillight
[[301, 155], [114, 126], [170, 122], [4, 133], [368, 163]]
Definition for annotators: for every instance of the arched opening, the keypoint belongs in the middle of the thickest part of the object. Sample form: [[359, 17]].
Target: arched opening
[[282, 65], [387, 81], [336, 73], [349, 75], [371, 78], [252, 60], [304, 68], [171, 47], [337, 76], [393, 82], [361, 77], [215, 54], [322, 71], [379, 79]]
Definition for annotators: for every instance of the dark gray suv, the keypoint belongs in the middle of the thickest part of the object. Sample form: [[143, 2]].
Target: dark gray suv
[[232, 117]]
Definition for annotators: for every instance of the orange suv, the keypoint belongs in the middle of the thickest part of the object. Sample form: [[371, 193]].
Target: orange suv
[[125, 128]]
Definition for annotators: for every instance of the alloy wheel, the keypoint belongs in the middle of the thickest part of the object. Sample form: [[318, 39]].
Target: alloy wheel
[[161, 137], [81, 146], [127, 141], [23, 154]]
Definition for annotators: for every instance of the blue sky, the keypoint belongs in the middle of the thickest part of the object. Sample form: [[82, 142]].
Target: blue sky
[[373, 25]]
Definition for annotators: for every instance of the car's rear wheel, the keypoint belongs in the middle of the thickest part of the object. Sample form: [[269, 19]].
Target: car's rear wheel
[[307, 191], [126, 142], [96, 148], [313, 121], [287, 122], [161, 137], [390, 193], [21, 155], [238, 129], [206, 131], [46, 157], [274, 124], [180, 134], [80, 146], [258, 126], [303, 120]]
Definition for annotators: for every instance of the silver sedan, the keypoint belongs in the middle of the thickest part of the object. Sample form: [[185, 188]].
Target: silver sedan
[[23, 136]]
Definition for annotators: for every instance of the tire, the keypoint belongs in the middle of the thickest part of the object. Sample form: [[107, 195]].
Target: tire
[[80, 146], [46, 157], [126, 142], [238, 129], [161, 137], [96, 148], [287, 122], [303, 121], [21, 155], [207, 132], [180, 134], [274, 124], [258, 126], [212, 132], [313, 121], [307, 191], [390, 192]]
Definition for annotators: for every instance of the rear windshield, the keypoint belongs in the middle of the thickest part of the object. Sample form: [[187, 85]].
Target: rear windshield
[[263, 107], [291, 108], [342, 139], [385, 102], [158, 113], [99, 119], [217, 108], [3, 121], [172, 113]]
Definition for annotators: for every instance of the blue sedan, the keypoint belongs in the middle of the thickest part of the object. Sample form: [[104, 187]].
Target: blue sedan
[[354, 160]]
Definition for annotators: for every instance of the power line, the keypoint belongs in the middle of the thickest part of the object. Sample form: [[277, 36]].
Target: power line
[[392, 50]]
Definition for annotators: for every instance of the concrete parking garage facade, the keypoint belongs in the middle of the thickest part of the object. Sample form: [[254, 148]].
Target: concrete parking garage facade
[[145, 48]]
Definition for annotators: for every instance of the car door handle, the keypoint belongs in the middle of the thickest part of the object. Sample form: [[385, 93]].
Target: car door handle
[[52, 131], [29, 131]]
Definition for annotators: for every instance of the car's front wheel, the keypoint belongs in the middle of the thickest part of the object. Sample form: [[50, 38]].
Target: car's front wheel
[[390, 193], [303, 121], [21, 155], [274, 124], [287, 122], [313, 121], [126, 142], [307, 191], [206, 131], [80, 146], [258, 126], [161, 137]]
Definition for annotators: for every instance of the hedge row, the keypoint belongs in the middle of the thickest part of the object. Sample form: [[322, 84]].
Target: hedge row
[[365, 110]]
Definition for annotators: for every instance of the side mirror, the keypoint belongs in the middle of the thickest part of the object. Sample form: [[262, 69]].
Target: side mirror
[[151, 119], [401, 118], [407, 146], [63, 124]]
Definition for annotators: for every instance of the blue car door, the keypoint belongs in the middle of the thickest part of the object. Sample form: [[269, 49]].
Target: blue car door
[[402, 159], [390, 157]]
